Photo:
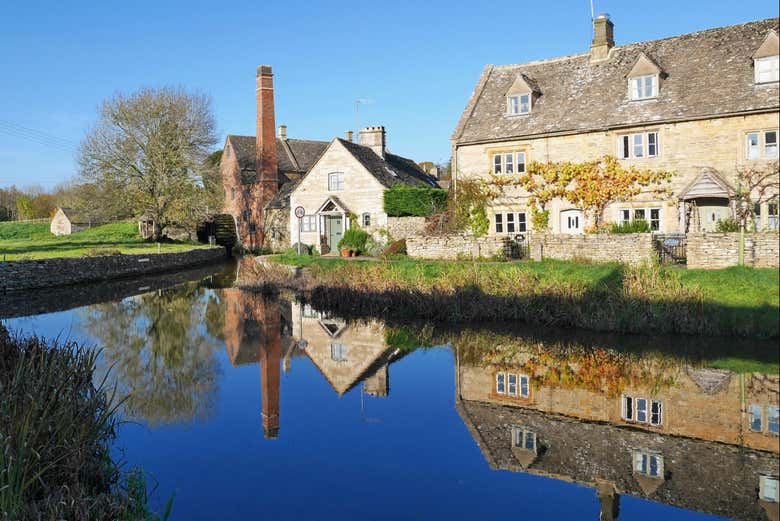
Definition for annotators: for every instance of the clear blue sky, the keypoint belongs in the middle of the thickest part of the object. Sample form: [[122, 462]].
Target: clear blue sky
[[418, 59]]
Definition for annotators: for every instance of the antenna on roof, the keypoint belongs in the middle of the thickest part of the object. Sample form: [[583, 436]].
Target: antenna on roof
[[358, 103], [592, 11]]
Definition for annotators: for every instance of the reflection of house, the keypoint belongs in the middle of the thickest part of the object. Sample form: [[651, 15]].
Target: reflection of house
[[700, 104], [257, 330], [346, 354], [524, 422]]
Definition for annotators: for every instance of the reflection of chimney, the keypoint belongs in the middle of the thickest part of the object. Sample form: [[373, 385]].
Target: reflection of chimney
[[373, 138], [610, 501], [270, 360], [377, 383], [265, 139], [603, 38]]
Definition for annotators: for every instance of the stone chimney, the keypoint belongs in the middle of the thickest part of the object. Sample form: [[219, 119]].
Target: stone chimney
[[348, 135], [265, 139], [374, 138], [603, 38], [283, 132]]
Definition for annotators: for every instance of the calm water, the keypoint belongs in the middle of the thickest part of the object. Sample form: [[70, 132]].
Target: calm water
[[247, 407]]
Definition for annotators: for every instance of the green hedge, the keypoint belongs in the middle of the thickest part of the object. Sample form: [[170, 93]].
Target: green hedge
[[403, 201]]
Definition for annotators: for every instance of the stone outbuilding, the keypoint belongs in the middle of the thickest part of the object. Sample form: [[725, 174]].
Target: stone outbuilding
[[69, 220]]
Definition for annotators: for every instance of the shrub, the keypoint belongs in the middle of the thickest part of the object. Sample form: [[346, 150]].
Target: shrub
[[354, 239], [727, 225], [540, 220], [635, 226], [375, 247], [395, 248], [419, 201]]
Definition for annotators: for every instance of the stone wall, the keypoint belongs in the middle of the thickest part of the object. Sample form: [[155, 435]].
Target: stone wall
[[405, 227], [452, 247], [628, 248], [721, 250], [28, 274]]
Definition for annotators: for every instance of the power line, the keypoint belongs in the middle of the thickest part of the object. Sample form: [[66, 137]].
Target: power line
[[38, 137], [40, 133]]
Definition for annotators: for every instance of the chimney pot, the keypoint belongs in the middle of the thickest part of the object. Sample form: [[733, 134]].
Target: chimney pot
[[348, 135], [282, 131], [374, 138], [264, 70], [603, 37]]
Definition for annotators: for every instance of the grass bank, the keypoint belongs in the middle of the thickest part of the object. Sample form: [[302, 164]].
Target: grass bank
[[21, 241], [56, 427], [604, 297]]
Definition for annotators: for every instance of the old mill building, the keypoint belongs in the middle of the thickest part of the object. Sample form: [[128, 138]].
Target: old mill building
[[702, 104]]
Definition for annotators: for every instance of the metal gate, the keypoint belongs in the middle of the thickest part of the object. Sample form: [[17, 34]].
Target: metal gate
[[672, 248]]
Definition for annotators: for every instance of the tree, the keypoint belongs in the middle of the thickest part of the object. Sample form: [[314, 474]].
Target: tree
[[756, 184], [149, 148]]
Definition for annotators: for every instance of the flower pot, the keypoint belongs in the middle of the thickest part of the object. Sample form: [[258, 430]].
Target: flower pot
[[353, 253], [345, 252]]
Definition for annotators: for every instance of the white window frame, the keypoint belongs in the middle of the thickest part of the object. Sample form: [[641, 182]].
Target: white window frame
[[642, 464], [650, 406], [520, 438], [524, 391], [648, 211], [500, 382], [519, 104], [755, 412], [500, 165], [336, 182], [640, 93], [511, 387], [770, 417], [761, 150], [338, 352], [626, 145], [309, 223], [763, 493], [518, 221], [773, 72]]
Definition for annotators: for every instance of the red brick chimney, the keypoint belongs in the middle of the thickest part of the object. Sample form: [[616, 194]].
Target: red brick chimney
[[265, 141]]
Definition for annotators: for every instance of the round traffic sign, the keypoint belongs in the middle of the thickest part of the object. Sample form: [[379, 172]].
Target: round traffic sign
[[300, 212]]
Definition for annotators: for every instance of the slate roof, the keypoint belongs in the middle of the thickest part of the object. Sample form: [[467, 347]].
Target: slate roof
[[704, 74], [294, 155], [75, 216], [390, 171]]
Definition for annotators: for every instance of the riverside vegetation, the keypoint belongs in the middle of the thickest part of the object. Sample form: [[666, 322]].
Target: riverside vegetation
[[603, 297], [56, 428]]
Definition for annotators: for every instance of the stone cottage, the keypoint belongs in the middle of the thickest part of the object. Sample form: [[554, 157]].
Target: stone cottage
[[346, 186], [68, 220], [703, 104]]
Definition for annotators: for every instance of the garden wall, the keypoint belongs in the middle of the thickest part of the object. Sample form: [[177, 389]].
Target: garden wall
[[405, 227], [721, 250], [628, 248], [452, 247], [29, 274]]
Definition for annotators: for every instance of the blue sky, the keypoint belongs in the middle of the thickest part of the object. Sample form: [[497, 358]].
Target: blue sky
[[419, 61]]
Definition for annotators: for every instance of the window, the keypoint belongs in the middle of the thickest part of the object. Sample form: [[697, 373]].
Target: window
[[336, 181], [637, 146], [309, 312], [519, 104], [636, 410], [510, 222], [626, 215], [761, 145], [655, 219], [773, 222], [768, 489], [770, 144], [752, 145], [524, 386], [309, 223], [648, 464], [512, 378], [523, 439], [766, 69], [639, 214], [509, 163], [245, 214], [643, 87], [338, 352], [754, 417], [501, 383], [366, 220], [773, 420], [252, 227]]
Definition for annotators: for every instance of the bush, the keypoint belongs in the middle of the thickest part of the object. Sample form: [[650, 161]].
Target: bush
[[305, 249], [395, 248], [635, 226], [405, 201], [354, 239], [727, 225], [540, 220], [375, 247]]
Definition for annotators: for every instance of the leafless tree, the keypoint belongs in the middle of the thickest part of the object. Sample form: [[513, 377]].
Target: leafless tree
[[148, 148], [756, 184]]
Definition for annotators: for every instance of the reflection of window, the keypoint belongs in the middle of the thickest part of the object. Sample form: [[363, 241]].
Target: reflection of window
[[338, 352], [309, 312], [512, 384], [768, 488], [523, 439], [336, 181], [648, 464], [773, 419], [636, 410], [756, 419], [501, 383], [755, 415]]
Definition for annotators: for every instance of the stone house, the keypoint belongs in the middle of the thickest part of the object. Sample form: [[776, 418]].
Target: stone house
[[703, 105], [347, 184], [68, 220], [259, 171]]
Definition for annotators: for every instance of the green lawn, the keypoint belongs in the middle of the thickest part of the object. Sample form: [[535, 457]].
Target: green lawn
[[20, 241]]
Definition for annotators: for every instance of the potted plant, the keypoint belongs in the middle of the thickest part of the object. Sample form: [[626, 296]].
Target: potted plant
[[353, 242]]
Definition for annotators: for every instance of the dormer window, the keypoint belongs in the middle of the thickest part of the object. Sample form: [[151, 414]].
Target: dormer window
[[520, 104], [767, 69], [644, 87]]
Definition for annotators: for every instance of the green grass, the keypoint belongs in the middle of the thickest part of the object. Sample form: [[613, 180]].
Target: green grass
[[21, 241]]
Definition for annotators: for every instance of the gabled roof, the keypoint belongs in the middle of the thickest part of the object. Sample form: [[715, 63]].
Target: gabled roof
[[294, 155], [770, 46], [75, 216], [390, 171], [523, 85], [644, 66], [707, 74], [707, 184]]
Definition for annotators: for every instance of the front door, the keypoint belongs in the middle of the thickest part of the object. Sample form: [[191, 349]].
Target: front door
[[335, 231], [571, 221]]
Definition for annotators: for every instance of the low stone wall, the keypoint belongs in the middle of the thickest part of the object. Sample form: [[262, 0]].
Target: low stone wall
[[628, 248], [405, 227], [43, 273], [452, 247], [721, 250]]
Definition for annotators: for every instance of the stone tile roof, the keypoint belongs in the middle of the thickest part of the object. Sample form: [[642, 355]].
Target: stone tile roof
[[294, 155], [391, 170], [75, 216], [704, 74]]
